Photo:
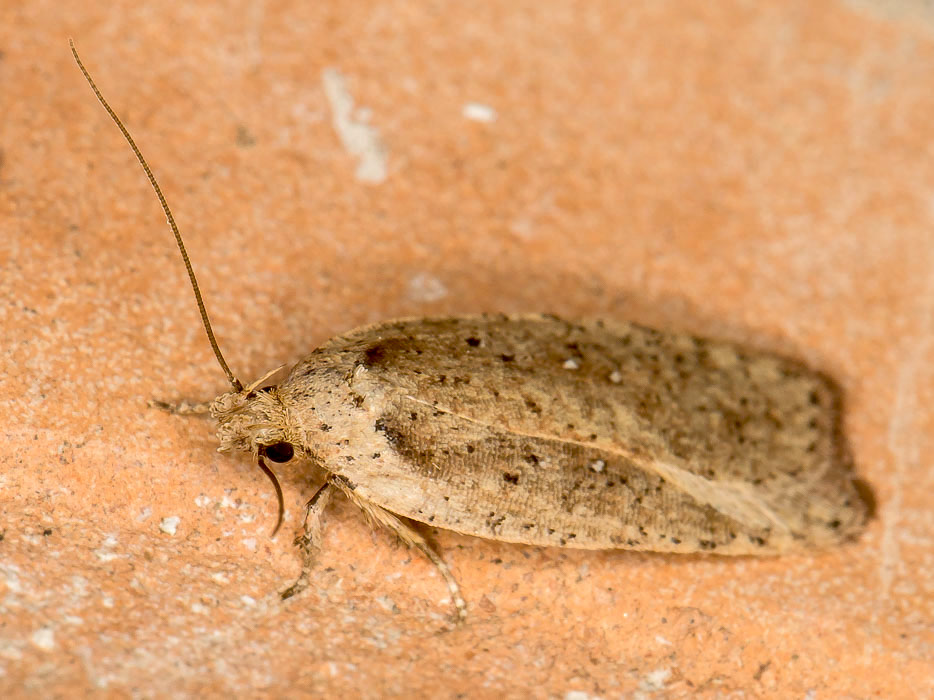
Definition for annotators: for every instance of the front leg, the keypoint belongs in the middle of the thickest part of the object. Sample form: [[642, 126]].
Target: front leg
[[310, 540]]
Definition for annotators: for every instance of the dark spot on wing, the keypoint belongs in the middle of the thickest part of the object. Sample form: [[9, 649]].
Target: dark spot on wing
[[418, 454], [382, 351]]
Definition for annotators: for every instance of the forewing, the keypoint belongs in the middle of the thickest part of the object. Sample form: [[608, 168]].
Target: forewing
[[716, 432]]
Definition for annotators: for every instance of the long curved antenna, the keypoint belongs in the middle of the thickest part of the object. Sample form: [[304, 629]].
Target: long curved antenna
[[168, 215]]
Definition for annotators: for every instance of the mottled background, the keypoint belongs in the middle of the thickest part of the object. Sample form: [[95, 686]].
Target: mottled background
[[762, 172]]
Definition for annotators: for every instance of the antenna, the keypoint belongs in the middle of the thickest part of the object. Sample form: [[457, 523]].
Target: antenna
[[168, 215]]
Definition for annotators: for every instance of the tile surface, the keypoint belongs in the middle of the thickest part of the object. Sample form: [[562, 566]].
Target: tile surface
[[762, 172]]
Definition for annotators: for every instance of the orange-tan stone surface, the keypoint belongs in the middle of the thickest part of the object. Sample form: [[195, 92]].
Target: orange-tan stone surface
[[762, 172]]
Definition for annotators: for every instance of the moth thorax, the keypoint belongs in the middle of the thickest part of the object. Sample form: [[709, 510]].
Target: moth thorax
[[249, 420]]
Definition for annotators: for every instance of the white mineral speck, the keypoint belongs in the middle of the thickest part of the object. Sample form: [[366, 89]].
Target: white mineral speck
[[359, 139], [571, 363], [655, 680], [170, 525], [44, 638], [478, 112], [11, 578], [580, 695], [598, 465], [616, 377], [425, 287]]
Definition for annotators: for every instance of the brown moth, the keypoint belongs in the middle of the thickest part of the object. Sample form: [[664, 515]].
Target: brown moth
[[536, 430]]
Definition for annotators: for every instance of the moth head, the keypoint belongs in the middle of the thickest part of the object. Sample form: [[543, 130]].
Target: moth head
[[255, 420]]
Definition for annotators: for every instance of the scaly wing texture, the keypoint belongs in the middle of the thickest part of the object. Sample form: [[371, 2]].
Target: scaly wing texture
[[539, 430]]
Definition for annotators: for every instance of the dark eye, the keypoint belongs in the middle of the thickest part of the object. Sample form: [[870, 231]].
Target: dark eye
[[279, 452]]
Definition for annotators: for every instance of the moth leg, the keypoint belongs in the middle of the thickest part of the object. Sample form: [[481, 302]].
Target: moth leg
[[182, 408], [408, 535], [310, 539]]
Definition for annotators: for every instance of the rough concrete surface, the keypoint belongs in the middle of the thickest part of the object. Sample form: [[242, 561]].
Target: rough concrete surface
[[762, 172]]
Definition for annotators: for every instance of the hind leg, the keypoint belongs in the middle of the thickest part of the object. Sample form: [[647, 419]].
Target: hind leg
[[410, 536]]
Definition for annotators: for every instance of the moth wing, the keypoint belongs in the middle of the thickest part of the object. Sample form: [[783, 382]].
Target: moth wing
[[632, 429]]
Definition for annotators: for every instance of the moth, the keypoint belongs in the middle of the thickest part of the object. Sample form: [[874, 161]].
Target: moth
[[537, 430]]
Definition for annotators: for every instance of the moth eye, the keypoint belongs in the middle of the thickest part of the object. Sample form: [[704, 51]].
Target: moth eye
[[279, 452]]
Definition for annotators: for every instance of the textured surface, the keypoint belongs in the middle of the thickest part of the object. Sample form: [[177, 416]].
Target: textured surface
[[757, 172]]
